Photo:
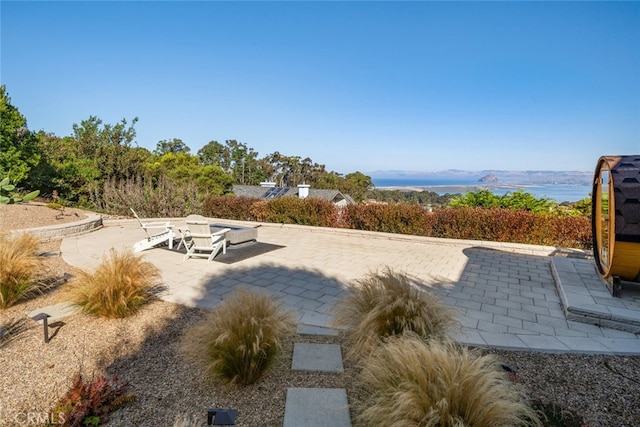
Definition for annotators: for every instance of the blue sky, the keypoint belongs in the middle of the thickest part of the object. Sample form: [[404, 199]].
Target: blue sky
[[353, 85]]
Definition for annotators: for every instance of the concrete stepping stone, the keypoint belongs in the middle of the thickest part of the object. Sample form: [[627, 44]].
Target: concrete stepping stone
[[304, 329], [316, 407], [317, 357]]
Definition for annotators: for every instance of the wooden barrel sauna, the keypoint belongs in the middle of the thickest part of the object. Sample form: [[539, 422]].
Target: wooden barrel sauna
[[615, 218]]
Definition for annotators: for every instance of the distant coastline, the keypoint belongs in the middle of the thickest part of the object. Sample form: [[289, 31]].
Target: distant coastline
[[561, 186], [557, 192]]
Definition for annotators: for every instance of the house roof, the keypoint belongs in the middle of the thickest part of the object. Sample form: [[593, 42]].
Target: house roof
[[266, 193]]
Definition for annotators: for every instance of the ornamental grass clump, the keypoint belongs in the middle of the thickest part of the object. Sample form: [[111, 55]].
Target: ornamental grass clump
[[240, 338], [117, 287], [410, 382], [19, 266], [387, 304]]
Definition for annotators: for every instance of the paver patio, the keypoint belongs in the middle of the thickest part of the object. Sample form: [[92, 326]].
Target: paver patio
[[505, 294]]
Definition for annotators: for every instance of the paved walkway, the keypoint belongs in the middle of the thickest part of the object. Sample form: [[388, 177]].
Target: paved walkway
[[505, 294]]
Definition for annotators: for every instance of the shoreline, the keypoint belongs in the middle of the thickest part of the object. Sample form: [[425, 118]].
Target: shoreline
[[556, 192], [456, 188]]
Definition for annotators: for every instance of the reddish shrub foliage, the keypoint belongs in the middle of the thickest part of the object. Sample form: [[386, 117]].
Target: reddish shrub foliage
[[287, 210], [401, 218], [229, 207], [91, 402], [494, 224], [516, 226]]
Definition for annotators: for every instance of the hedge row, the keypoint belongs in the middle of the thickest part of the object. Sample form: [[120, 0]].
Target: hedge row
[[495, 224]]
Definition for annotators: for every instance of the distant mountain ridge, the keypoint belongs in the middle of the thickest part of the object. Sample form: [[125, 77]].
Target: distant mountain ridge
[[504, 177]]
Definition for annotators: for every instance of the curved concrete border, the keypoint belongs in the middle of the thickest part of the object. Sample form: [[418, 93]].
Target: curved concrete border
[[58, 232]]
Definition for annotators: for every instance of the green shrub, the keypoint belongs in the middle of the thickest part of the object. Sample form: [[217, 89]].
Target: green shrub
[[518, 200], [117, 287], [408, 382], [583, 206], [239, 339], [387, 304], [89, 403], [55, 206], [19, 266], [476, 199]]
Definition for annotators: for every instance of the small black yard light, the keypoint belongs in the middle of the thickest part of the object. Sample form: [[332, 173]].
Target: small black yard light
[[221, 417]]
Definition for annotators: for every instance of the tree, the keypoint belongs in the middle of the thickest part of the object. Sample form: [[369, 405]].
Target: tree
[[174, 146], [63, 169], [235, 158], [108, 146], [76, 166], [185, 168], [18, 151], [356, 185], [289, 171], [213, 153]]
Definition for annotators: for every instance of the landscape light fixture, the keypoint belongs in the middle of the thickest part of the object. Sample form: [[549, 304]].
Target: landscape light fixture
[[44, 317], [221, 417]]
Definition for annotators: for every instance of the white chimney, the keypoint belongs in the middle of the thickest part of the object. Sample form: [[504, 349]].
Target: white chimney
[[303, 191], [267, 184]]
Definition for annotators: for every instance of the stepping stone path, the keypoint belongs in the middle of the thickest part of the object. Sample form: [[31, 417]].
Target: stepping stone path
[[317, 407], [317, 357]]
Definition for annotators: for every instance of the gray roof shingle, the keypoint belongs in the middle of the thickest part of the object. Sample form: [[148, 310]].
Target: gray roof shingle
[[258, 192]]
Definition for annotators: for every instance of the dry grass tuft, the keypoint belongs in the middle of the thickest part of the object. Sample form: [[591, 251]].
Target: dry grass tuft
[[239, 339], [19, 265], [387, 304], [410, 382], [117, 287]]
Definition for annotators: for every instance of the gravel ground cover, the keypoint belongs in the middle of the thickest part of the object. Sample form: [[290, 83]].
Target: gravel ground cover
[[144, 351]]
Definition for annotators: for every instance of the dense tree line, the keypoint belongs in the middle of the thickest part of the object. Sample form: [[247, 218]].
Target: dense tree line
[[74, 169]]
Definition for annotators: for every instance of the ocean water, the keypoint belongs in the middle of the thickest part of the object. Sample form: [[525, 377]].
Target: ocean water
[[558, 192]]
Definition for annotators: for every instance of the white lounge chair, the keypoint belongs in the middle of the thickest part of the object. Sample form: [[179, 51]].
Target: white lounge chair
[[165, 236], [203, 243], [185, 233]]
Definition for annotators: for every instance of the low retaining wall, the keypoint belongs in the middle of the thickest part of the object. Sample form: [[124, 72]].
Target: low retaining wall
[[58, 232]]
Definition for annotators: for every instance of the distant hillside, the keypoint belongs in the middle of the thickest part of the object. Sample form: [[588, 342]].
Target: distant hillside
[[504, 177]]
